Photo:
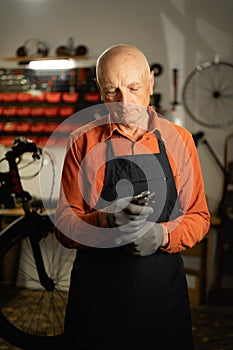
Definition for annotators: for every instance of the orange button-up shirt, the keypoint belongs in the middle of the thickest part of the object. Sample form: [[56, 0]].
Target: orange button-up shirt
[[77, 219]]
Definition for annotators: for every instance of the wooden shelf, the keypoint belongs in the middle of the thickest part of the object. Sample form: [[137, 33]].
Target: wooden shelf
[[37, 58]]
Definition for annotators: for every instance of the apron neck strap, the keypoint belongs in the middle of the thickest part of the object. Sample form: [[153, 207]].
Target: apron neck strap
[[110, 152]]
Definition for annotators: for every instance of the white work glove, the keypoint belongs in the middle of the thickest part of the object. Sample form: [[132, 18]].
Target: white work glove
[[149, 242], [128, 217]]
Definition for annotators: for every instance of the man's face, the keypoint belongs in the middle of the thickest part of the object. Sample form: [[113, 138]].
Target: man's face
[[126, 82]]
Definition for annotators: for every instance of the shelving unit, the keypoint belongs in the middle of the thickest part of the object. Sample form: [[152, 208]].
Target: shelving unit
[[33, 103]]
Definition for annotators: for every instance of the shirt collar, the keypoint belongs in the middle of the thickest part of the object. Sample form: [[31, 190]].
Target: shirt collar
[[112, 127]]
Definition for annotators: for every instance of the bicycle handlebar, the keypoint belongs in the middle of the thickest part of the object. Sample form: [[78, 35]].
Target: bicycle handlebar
[[10, 182], [22, 145]]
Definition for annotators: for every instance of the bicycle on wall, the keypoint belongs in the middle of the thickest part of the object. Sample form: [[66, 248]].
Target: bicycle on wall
[[34, 267]]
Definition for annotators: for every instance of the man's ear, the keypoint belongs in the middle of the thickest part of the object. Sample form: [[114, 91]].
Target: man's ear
[[99, 89], [97, 84], [152, 82]]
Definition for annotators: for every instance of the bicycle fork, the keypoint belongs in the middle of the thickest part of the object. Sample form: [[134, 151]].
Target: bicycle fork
[[45, 280]]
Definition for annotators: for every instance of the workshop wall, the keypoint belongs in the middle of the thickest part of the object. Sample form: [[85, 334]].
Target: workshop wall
[[178, 34]]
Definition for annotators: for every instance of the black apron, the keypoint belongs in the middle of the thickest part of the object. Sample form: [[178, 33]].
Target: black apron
[[117, 299]]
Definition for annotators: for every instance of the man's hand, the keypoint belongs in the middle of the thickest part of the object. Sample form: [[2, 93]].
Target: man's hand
[[149, 242], [128, 217]]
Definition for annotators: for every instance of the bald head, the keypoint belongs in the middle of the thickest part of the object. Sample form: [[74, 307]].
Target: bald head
[[118, 54], [123, 75]]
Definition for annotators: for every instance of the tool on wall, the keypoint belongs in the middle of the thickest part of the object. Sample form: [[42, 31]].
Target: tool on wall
[[33, 47], [175, 89], [199, 136], [156, 97], [157, 68]]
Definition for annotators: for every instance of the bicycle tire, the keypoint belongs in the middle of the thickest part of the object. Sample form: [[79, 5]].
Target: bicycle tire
[[30, 316], [208, 94]]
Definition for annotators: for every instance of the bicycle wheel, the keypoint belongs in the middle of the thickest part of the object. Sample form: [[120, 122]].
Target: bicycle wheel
[[208, 94], [32, 317]]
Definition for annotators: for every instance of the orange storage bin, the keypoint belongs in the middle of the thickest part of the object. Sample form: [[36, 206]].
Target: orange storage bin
[[33, 139], [23, 111], [9, 127], [52, 142], [9, 97], [66, 128], [66, 111], [69, 97], [24, 97], [51, 111], [41, 141], [23, 127], [7, 140], [37, 111], [53, 97], [38, 127], [9, 111], [92, 96], [38, 97], [50, 127]]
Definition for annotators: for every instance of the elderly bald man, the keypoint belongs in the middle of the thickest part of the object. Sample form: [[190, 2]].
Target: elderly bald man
[[132, 198]]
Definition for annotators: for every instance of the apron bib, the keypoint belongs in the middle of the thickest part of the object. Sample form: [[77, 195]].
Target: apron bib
[[117, 299]]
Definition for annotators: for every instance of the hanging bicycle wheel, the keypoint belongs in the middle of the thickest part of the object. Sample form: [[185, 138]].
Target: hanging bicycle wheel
[[208, 94]]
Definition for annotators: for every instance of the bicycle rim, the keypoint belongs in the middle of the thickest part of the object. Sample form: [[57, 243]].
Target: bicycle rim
[[29, 314], [207, 94]]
